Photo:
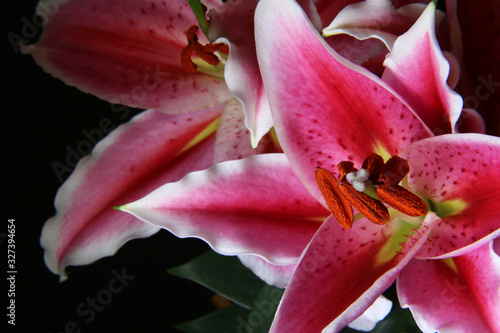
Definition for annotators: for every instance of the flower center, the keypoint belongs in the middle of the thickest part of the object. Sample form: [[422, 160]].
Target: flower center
[[347, 191], [205, 52]]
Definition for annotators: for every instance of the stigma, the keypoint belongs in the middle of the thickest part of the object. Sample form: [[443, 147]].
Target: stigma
[[205, 52], [357, 179]]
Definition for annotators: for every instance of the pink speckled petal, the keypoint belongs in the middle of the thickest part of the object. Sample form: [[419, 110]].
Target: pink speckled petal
[[234, 24], [461, 294], [458, 166], [127, 52], [375, 19], [340, 275], [276, 275], [233, 138], [418, 71], [324, 107], [130, 162], [369, 53], [251, 206]]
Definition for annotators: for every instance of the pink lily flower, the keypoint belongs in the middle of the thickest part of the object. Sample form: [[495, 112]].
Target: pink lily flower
[[330, 119], [377, 22], [130, 53], [141, 47], [375, 25], [324, 109]]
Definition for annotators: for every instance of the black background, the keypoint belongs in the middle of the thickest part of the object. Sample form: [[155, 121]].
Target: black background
[[41, 117]]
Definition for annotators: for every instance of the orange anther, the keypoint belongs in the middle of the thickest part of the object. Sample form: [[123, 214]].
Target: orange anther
[[186, 62], [402, 200], [372, 209], [341, 196], [191, 34], [205, 52], [337, 204]]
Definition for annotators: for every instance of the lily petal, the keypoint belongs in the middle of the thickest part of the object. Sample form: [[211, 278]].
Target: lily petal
[[234, 24], [210, 4], [418, 71], [331, 287], [309, 7], [460, 294], [375, 19], [375, 313], [369, 53], [233, 139], [328, 10], [459, 174], [276, 275], [133, 160], [323, 106], [128, 53], [251, 206]]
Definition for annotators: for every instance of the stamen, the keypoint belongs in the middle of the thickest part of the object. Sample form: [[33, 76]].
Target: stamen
[[208, 57], [395, 169], [386, 185], [186, 62], [402, 200], [357, 179], [191, 34], [340, 196], [205, 52], [222, 48], [374, 164], [337, 204], [347, 192], [344, 168], [372, 209]]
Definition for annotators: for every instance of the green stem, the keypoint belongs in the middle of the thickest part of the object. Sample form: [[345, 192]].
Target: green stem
[[199, 13]]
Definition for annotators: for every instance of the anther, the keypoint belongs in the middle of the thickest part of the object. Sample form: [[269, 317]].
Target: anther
[[346, 192], [386, 185], [337, 204], [340, 197], [402, 200], [205, 52], [372, 209], [395, 169]]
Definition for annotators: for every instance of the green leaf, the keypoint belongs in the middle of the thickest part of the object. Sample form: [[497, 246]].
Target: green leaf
[[225, 275], [199, 13], [398, 320], [226, 320], [264, 308]]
